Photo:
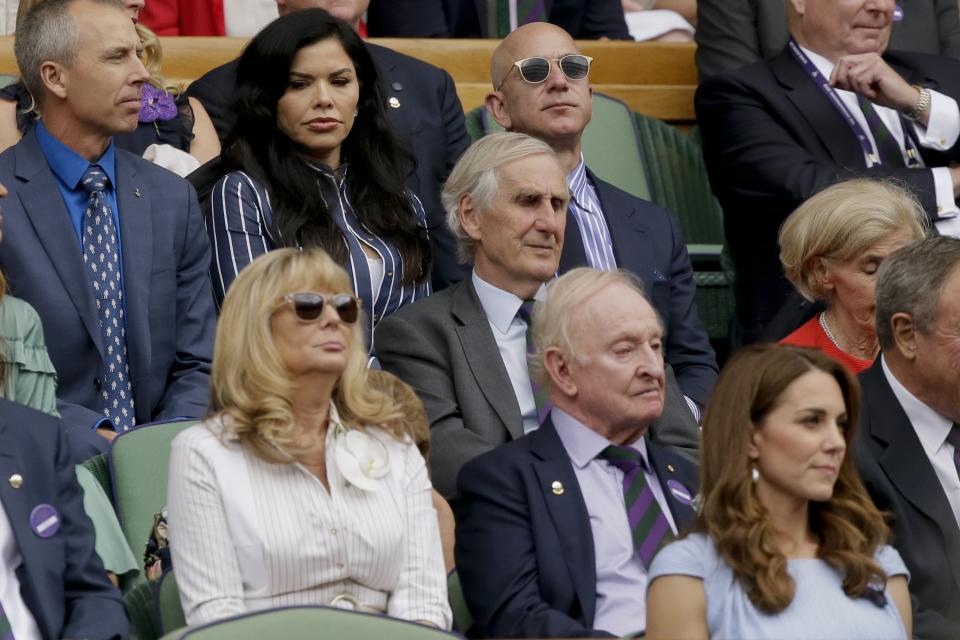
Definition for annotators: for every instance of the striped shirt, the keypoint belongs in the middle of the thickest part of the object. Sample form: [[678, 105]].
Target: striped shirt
[[246, 534], [240, 227], [586, 210]]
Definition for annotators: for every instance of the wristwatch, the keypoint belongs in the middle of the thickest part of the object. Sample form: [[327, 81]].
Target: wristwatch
[[922, 106]]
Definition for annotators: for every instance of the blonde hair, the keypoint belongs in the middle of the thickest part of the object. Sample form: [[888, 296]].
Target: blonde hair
[[553, 317], [249, 381], [477, 174], [842, 222]]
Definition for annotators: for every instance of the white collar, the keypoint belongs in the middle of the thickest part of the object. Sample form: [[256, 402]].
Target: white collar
[[932, 427], [500, 306]]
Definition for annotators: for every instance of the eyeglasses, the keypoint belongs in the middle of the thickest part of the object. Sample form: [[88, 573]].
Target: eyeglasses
[[309, 305], [536, 69]]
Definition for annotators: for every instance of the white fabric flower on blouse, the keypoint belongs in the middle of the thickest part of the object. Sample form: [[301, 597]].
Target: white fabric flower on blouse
[[361, 457]]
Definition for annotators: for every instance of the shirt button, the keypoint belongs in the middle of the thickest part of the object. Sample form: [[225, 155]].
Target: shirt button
[[339, 565], [333, 531]]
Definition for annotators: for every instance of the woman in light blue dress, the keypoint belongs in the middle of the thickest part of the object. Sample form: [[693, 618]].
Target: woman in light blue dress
[[787, 543]]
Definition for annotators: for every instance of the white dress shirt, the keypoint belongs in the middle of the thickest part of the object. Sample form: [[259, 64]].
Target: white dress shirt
[[932, 429], [22, 624], [941, 133], [621, 576], [247, 534], [510, 332]]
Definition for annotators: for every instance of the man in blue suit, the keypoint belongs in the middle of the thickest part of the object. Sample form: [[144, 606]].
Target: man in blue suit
[[108, 248], [606, 228], [556, 530], [52, 583]]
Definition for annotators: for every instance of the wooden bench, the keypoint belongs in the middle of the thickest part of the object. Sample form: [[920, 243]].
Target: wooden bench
[[657, 79]]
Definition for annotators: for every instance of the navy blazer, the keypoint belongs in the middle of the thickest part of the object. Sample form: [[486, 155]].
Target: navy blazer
[[901, 481], [525, 555], [771, 139], [582, 19], [169, 303], [428, 118], [647, 241], [62, 580]]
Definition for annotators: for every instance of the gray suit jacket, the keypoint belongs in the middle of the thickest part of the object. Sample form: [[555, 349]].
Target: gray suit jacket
[[443, 347], [734, 33], [166, 261]]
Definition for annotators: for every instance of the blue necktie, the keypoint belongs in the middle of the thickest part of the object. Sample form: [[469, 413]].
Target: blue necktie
[[101, 255]]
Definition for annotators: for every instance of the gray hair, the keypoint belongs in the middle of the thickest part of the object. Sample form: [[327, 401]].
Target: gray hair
[[910, 281], [553, 317], [476, 174], [47, 34], [840, 223]]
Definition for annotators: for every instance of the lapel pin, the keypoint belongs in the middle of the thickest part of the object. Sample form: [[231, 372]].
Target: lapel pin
[[394, 102], [44, 520], [136, 192], [397, 86], [16, 481], [557, 487], [680, 492], [670, 468]]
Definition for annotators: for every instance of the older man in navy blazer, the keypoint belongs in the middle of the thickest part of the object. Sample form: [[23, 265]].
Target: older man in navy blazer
[[556, 530], [109, 248], [52, 583], [606, 228]]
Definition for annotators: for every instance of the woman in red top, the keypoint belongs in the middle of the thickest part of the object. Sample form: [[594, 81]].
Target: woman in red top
[[831, 248]]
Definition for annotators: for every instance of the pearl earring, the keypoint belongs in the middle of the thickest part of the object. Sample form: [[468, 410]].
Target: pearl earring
[[754, 472]]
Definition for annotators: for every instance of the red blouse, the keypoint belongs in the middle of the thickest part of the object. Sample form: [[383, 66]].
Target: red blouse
[[811, 334]]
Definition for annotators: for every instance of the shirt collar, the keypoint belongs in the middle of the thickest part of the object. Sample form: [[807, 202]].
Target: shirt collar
[[582, 443], [577, 179], [932, 428], [68, 165], [824, 66], [500, 306]]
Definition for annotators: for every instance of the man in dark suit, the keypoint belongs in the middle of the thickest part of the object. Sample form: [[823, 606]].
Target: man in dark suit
[[908, 446], [734, 33], [606, 227], [54, 584], [556, 530], [582, 19], [424, 111], [775, 133], [116, 265], [464, 349]]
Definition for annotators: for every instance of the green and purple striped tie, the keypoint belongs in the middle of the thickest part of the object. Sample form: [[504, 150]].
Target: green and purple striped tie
[[649, 526], [6, 633], [498, 15], [954, 438], [540, 396]]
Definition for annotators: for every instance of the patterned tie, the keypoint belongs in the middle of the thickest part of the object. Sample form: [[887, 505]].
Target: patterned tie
[[498, 15], [540, 396], [954, 438], [887, 146], [5, 632], [102, 257], [651, 529]]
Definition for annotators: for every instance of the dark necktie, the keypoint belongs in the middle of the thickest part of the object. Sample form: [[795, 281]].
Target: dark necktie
[[954, 438], [540, 396], [101, 255], [498, 15], [887, 146], [649, 526]]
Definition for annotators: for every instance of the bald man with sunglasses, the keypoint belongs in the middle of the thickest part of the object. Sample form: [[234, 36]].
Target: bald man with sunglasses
[[542, 88]]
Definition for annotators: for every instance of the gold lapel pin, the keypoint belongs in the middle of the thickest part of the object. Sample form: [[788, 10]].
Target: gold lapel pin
[[136, 192], [670, 468], [394, 102], [16, 481], [557, 487]]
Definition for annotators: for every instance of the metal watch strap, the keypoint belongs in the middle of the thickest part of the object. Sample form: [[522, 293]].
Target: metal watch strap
[[922, 106]]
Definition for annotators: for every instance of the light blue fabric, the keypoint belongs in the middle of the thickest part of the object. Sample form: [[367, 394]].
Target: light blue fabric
[[820, 609]]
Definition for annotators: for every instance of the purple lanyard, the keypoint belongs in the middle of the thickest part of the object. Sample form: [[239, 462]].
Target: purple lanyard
[[869, 152]]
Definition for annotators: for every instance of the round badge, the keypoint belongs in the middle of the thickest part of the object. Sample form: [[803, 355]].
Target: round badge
[[897, 13], [44, 520], [680, 492]]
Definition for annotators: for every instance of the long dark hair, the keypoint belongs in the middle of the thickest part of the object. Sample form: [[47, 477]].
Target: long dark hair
[[378, 163]]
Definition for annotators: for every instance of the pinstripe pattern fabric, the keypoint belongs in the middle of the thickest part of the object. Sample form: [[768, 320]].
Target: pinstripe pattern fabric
[[247, 534], [239, 223], [586, 210]]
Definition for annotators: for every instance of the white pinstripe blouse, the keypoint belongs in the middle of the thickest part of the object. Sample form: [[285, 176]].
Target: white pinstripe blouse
[[238, 220], [247, 534]]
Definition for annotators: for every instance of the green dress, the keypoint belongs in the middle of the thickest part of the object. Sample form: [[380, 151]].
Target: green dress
[[31, 380]]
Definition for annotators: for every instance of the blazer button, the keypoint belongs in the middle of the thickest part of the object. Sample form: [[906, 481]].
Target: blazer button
[[97, 384]]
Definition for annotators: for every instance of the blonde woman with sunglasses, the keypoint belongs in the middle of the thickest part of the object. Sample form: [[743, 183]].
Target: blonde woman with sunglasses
[[303, 487]]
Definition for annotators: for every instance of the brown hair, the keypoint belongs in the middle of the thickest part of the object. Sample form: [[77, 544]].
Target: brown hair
[[847, 527]]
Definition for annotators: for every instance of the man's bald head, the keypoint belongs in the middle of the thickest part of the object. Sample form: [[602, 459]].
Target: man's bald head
[[518, 44]]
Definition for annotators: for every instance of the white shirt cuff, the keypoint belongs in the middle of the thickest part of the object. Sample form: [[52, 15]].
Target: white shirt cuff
[[943, 127], [943, 189]]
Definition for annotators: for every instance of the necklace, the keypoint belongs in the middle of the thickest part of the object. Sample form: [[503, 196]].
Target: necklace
[[833, 339]]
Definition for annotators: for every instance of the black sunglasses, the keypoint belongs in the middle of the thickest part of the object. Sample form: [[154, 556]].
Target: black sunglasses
[[536, 69], [309, 305]]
